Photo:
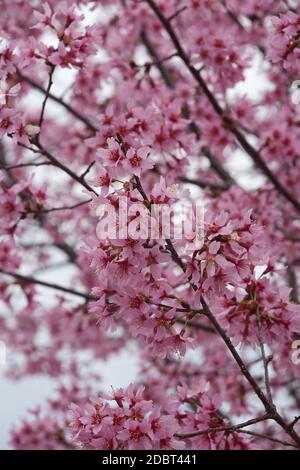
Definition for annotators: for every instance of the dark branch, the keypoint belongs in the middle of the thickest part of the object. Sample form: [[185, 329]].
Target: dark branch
[[31, 280], [58, 100]]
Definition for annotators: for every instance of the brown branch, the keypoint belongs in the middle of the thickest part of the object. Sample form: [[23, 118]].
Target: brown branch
[[204, 184], [47, 92], [269, 407], [64, 168], [292, 280], [58, 100], [263, 355], [55, 209], [196, 325], [63, 246], [67, 249], [177, 13], [264, 436], [24, 165], [228, 428], [170, 247], [165, 73], [32, 280], [216, 165], [238, 359], [295, 421], [234, 18], [90, 166]]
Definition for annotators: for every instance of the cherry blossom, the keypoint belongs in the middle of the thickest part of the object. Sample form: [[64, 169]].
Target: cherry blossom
[[114, 115]]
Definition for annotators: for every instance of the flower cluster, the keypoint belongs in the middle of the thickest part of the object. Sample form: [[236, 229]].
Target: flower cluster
[[263, 306], [285, 41], [207, 417], [124, 420], [232, 250], [75, 42]]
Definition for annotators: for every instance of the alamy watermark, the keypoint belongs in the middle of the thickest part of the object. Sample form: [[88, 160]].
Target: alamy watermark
[[7, 91], [296, 352], [295, 92], [182, 220]]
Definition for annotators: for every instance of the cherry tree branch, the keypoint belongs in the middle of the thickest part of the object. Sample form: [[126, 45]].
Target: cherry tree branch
[[165, 73], [64, 168], [177, 13], [216, 165], [50, 83], [55, 209], [265, 359], [228, 428], [269, 438], [204, 184], [63, 246], [89, 298], [227, 120], [32, 280], [196, 325], [24, 165], [269, 407]]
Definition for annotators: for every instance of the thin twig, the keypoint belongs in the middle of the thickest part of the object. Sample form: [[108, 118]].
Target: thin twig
[[196, 325], [63, 167], [216, 165], [177, 13], [165, 73], [263, 355], [24, 165], [264, 436], [83, 175], [228, 428], [60, 101], [50, 83], [55, 209], [204, 184], [32, 280]]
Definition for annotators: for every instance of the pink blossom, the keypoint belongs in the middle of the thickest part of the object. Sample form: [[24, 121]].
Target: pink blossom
[[137, 160], [152, 106]]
